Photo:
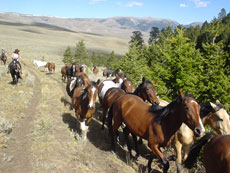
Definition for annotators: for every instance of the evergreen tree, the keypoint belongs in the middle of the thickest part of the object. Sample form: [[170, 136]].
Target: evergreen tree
[[138, 38], [68, 56], [222, 14], [112, 60], [81, 55], [154, 34]]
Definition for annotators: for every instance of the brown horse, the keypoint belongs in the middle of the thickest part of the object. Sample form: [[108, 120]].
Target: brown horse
[[107, 73], [50, 66], [147, 92], [216, 153], [84, 77], [83, 101], [3, 58], [212, 114], [72, 84], [95, 70], [63, 71], [153, 124], [112, 94]]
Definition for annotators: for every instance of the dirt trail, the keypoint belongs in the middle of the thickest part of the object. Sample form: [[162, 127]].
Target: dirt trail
[[43, 140]]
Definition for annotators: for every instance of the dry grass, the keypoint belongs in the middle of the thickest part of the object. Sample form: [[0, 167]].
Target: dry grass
[[36, 42]]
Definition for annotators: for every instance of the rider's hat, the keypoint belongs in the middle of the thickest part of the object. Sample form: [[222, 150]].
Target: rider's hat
[[16, 51]]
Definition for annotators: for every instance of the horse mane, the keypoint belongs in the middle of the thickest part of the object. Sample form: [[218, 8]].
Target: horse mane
[[137, 90], [206, 108], [195, 150], [162, 111]]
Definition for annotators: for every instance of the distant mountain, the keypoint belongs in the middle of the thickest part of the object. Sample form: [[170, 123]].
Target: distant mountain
[[121, 27]]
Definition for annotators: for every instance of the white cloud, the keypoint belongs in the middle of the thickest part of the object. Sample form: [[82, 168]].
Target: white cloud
[[95, 1], [130, 4], [199, 3], [183, 5]]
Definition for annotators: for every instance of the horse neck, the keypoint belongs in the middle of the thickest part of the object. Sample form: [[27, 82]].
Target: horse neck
[[171, 123]]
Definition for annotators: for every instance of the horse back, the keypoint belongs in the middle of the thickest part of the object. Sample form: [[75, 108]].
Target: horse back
[[111, 95], [134, 112], [217, 154]]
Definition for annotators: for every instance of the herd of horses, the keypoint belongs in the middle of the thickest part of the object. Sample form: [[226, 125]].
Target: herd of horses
[[141, 113]]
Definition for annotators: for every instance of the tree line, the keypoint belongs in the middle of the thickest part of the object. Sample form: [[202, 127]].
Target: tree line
[[195, 59]]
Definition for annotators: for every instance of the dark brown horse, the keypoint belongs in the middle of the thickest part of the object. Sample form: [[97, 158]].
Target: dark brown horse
[[3, 58], [63, 71], [84, 77], [83, 101], [72, 84], [216, 153], [112, 94], [153, 124], [147, 92]]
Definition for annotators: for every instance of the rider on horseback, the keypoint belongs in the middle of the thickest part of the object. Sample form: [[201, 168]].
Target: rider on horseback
[[15, 57]]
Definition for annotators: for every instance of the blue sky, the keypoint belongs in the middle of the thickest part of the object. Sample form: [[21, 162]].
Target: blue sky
[[182, 11]]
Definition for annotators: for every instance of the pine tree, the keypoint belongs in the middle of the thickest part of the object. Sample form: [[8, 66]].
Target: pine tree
[[80, 55], [68, 56], [111, 61], [138, 38]]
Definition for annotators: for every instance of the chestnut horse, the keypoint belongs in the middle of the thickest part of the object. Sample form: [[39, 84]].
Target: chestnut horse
[[50, 66], [212, 114], [155, 125], [72, 84], [112, 94], [83, 101], [147, 92], [216, 153], [84, 77]]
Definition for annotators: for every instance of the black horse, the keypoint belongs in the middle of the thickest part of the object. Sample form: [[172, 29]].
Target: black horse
[[15, 71]]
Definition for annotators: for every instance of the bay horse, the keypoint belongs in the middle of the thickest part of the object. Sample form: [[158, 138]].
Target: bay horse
[[112, 94], [63, 71], [15, 71], [157, 125], [216, 153], [70, 71], [95, 70], [147, 92], [83, 101], [50, 66], [3, 58], [212, 114], [84, 77]]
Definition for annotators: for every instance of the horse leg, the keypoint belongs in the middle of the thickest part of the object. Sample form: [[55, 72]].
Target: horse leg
[[186, 151], [159, 154], [178, 149], [136, 146], [126, 133], [105, 110]]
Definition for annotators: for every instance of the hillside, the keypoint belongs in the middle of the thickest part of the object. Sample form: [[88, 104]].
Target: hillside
[[121, 27], [37, 40]]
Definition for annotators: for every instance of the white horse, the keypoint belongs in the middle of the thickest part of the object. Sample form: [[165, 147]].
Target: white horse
[[39, 63]]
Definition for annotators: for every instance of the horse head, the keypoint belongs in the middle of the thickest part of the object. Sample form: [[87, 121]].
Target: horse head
[[218, 119], [147, 92], [90, 93], [127, 86], [190, 113]]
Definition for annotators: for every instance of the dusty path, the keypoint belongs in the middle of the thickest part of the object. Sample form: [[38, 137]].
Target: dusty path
[[43, 138]]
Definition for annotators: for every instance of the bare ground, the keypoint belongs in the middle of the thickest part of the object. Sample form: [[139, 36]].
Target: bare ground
[[43, 137]]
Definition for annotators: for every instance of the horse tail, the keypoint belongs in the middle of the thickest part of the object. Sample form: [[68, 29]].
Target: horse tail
[[110, 118], [195, 150]]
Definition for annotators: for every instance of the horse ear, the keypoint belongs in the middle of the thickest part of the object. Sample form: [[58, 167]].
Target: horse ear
[[98, 82], [143, 79], [181, 94], [214, 106]]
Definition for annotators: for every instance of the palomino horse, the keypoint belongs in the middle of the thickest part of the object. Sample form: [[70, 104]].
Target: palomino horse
[[216, 153], [147, 92], [15, 71], [3, 58], [95, 70], [83, 101], [50, 66], [211, 114], [112, 94], [155, 125]]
